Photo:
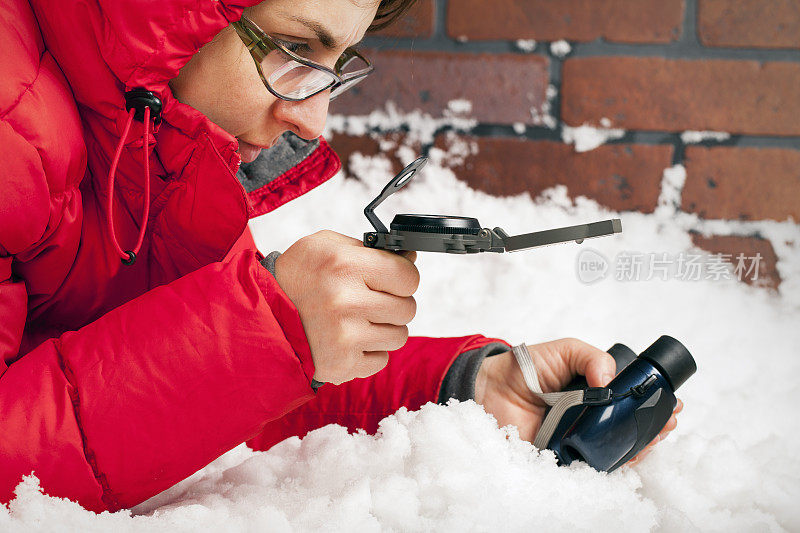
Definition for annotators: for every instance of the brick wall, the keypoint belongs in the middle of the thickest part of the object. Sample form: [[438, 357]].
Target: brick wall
[[654, 68]]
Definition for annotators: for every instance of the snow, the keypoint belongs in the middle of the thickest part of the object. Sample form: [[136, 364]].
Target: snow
[[460, 106], [526, 45], [545, 117], [560, 48], [694, 137], [672, 182], [421, 127], [731, 464], [455, 152], [587, 137]]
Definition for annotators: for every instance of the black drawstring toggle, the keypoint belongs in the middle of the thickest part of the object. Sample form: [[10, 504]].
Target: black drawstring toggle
[[130, 260], [138, 99]]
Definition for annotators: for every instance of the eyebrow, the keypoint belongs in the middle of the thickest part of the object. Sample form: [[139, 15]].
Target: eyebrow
[[322, 33]]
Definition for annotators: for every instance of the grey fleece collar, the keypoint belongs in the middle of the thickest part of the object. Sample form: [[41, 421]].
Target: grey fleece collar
[[275, 161]]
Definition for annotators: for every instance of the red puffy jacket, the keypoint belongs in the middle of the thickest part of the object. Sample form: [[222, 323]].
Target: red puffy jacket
[[118, 381]]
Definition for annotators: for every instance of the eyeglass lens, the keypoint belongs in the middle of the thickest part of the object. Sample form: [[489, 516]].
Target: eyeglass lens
[[344, 86], [294, 80]]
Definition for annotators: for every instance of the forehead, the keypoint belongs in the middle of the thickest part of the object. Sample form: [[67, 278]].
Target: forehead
[[345, 20]]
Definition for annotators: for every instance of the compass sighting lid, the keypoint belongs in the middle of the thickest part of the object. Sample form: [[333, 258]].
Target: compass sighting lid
[[397, 183]]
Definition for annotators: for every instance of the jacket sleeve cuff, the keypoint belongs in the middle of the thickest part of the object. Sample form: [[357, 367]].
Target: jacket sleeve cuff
[[268, 262], [459, 382]]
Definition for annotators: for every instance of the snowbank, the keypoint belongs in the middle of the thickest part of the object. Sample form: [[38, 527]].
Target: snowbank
[[731, 464]]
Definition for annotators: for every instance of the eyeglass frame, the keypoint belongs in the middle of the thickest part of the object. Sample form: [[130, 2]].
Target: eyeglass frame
[[263, 43]]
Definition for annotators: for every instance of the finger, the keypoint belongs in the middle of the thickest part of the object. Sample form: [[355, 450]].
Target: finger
[[652, 444], [384, 337], [678, 407], [645, 451], [384, 308], [389, 272], [598, 366], [642, 454], [670, 425]]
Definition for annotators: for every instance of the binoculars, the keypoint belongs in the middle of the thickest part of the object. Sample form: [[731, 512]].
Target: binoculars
[[616, 422]]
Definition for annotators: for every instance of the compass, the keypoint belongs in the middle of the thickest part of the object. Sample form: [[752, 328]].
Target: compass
[[463, 235]]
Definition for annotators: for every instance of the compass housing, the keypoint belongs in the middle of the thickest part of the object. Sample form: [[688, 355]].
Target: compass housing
[[436, 224]]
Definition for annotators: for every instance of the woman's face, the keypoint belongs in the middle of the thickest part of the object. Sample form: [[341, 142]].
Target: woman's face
[[222, 81]]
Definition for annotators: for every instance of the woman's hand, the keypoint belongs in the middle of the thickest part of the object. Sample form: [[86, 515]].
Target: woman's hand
[[354, 302], [501, 389]]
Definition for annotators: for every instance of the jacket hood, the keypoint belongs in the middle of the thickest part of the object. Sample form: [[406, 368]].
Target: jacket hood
[[143, 43], [138, 43], [198, 208], [149, 48], [108, 47]]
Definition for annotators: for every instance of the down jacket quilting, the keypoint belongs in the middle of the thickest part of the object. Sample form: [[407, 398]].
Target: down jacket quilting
[[118, 381]]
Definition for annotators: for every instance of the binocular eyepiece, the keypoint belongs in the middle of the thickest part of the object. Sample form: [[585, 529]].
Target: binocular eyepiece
[[606, 434]]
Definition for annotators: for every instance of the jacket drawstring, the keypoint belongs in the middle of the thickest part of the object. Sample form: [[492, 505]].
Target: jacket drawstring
[[139, 103]]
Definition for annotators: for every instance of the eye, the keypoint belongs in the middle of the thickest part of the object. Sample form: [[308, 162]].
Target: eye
[[295, 47]]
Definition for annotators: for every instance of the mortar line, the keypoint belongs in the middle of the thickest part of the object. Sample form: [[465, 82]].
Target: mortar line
[[644, 137], [676, 50]]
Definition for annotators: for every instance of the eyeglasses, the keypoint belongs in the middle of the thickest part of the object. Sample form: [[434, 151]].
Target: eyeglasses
[[292, 77]]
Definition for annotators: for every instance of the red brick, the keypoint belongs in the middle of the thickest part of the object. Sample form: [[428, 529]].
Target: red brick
[[747, 97], [742, 183], [732, 245], [625, 21], [369, 145], [502, 87], [416, 22], [749, 23], [622, 177]]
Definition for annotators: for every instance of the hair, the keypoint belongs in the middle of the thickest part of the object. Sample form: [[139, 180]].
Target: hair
[[388, 12]]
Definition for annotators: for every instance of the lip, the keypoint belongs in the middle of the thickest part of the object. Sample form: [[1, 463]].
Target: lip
[[249, 152]]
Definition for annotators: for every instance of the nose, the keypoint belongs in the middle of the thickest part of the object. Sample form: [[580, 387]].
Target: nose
[[307, 117]]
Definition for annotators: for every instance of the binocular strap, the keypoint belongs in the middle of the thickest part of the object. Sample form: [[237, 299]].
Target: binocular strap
[[560, 402]]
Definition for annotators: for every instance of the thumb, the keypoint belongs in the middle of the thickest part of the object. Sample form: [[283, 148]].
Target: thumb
[[411, 255], [600, 371], [338, 237], [598, 366]]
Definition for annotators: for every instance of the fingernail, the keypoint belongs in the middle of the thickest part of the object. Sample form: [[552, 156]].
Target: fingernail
[[607, 377]]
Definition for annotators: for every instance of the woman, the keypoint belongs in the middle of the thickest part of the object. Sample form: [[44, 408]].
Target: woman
[[141, 333]]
